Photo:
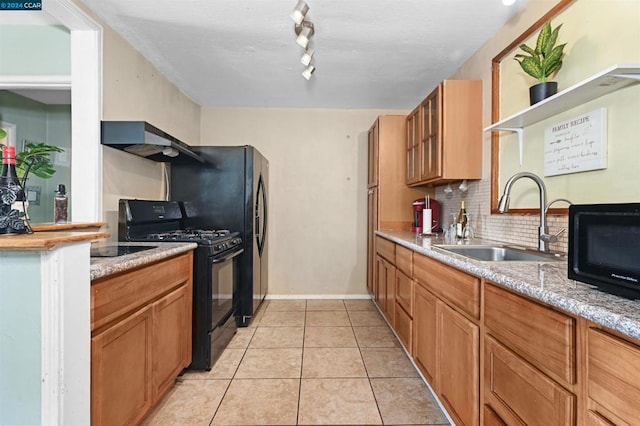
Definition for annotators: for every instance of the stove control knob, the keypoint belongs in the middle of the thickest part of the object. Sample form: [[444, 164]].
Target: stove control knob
[[220, 247]]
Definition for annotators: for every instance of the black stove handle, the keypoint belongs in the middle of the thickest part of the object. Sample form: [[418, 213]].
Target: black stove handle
[[226, 258]]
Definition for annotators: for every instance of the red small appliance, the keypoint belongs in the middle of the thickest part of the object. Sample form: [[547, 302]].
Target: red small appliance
[[419, 205]]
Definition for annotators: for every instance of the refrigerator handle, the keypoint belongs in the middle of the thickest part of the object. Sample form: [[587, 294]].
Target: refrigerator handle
[[261, 216]]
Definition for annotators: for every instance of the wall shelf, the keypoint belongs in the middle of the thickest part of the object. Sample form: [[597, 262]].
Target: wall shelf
[[607, 81]]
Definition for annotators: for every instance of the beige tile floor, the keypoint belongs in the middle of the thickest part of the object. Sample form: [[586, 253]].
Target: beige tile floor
[[305, 362]]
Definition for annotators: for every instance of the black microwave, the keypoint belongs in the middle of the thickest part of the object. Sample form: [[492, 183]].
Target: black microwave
[[604, 247]]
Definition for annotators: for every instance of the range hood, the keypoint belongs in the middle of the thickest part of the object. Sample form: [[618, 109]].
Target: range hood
[[145, 140]]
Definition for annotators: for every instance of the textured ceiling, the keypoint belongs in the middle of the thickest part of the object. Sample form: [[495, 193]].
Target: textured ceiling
[[368, 53]]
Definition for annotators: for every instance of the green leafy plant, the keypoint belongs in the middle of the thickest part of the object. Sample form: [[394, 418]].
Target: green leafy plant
[[35, 158], [546, 58], [3, 133]]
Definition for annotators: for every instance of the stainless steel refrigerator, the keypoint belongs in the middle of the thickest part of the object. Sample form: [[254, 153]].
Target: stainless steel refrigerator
[[230, 191]]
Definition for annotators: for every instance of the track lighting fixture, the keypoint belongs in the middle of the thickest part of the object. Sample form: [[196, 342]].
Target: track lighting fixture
[[308, 71], [306, 57], [304, 31], [299, 12]]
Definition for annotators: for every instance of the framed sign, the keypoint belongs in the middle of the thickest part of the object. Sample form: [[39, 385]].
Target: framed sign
[[576, 145]]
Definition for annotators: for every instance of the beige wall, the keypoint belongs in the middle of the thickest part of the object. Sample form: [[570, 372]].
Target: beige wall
[[317, 191], [522, 229], [133, 89]]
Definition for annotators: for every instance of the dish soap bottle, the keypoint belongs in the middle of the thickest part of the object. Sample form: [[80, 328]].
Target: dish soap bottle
[[461, 221], [60, 205]]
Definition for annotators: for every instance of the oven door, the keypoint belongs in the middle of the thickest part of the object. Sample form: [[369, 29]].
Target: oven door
[[224, 279]]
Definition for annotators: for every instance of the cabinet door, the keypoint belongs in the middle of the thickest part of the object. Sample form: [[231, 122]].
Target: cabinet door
[[520, 393], [413, 146], [404, 292], [121, 371], [403, 326], [430, 144], [425, 333], [459, 365], [390, 305], [373, 156], [372, 225], [171, 338], [381, 284], [613, 377]]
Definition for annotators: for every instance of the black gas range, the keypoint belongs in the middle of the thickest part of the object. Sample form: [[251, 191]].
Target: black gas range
[[216, 271]]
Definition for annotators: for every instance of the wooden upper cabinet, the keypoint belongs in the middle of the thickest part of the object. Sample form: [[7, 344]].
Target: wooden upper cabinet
[[374, 152], [446, 130], [388, 172], [413, 146], [430, 146]]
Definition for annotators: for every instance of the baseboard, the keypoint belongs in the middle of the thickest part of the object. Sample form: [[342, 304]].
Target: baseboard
[[317, 296]]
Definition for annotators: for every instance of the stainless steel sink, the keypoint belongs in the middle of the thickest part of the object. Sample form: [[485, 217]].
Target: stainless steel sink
[[501, 253]]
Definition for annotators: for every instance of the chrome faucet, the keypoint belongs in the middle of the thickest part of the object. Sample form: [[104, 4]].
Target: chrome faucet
[[543, 231]]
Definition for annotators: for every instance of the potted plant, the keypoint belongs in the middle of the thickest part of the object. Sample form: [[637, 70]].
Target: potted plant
[[35, 159], [542, 62]]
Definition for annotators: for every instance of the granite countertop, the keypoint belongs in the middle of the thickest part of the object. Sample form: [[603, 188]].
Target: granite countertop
[[544, 281], [104, 266]]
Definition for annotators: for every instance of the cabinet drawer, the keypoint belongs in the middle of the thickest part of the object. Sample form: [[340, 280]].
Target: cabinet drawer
[[115, 296], [542, 336], [456, 287], [386, 249], [404, 292], [613, 375], [594, 419], [521, 394], [404, 259], [404, 327], [491, 418]]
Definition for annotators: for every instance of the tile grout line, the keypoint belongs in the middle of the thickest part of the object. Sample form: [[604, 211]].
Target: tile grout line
[[304, 332]]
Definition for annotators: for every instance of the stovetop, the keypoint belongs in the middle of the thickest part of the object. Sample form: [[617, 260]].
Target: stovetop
[[167, 221]]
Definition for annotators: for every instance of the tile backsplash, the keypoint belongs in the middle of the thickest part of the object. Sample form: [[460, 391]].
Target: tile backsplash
[[509, 228]]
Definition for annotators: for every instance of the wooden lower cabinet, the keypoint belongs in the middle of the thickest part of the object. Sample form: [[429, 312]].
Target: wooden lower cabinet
[[404, 309], [121, 368], [385, 294], [520, 393], [171, 338], [458, 365], [540, 366], [613, 379], [140, 344], [490, 418], [425, 333]]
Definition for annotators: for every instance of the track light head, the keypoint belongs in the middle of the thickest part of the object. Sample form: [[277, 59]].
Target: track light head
[[304, 32], [308, 71], [306, 57], [299, 12]]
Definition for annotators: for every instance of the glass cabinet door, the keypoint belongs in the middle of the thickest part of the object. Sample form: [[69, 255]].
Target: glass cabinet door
[[430, 143], [413, 146]]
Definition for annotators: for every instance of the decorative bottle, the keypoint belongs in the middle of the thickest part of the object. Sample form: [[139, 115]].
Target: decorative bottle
[[461, 221], [60, 205], [12, 197]]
